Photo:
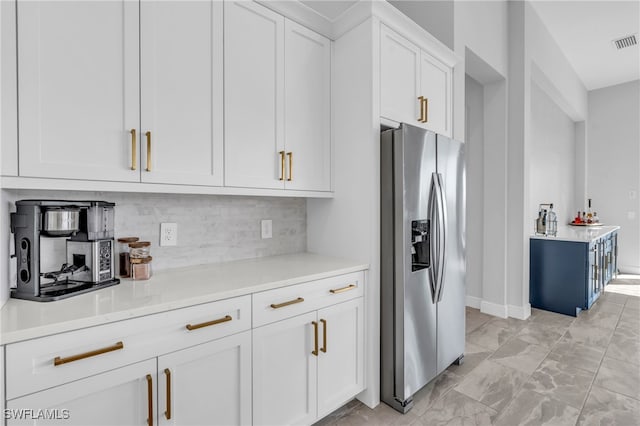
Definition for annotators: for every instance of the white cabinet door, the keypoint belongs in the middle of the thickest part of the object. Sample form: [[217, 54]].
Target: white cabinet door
[[254, 95], [207, 384], [341, 362], [435, 87], [399, 78], [307, 109], [182, 91], [78, 89], [117, 397], [285, 372]]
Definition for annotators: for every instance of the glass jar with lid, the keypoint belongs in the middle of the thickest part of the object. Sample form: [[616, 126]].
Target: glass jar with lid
[[124, 267], [141, 268], [139, 249]]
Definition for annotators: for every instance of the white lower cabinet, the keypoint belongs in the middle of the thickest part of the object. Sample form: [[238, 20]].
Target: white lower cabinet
[[341, 364], [207, 384], [289, 355], [285, 372], [123, 396], [306, 366]]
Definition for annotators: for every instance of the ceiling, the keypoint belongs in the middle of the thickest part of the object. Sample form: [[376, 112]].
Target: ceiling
[[584, 30]]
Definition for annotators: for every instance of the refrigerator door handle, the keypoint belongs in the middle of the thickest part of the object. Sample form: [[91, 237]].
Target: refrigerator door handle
[[442, 236], [433, 248]]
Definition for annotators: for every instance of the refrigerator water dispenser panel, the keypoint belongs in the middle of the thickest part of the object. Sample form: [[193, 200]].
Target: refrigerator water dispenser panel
[[420, 253]]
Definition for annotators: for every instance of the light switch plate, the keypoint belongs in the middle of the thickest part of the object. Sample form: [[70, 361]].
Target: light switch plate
[[631, 215], [168, 234], [266, 228]]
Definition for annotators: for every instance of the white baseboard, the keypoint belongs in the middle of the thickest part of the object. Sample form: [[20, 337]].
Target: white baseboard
[[473, 302], [520, 312], [501, 311], [624, 269], [493, 309]]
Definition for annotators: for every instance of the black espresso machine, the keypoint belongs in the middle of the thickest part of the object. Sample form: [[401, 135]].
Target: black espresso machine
[[88, 263]]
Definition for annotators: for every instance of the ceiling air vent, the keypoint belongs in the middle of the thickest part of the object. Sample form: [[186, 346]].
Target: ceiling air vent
[[627, 41]]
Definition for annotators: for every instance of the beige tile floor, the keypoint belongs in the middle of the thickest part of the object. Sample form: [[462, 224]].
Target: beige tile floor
[[551, 369]]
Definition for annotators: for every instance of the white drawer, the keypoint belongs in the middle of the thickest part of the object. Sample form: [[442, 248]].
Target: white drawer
[[275, 305], [81, 353]]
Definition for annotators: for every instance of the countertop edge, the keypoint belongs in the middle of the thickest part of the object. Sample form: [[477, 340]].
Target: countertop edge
[[609, 230], [12, 337]]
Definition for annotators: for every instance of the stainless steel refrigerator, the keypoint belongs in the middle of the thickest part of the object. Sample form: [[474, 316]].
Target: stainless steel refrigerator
[[422, 260]]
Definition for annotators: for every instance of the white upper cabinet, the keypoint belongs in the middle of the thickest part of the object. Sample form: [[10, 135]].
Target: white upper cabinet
[[435, 88], [78, 89], [415, 86], [307, 109], [181, 52], [195, 92], [254, 95], [399, 74]]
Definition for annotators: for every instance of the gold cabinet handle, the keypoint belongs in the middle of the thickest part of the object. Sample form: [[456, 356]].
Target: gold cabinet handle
[[315, 338], [134, 150], [421, 100], [426, 109], [59, 361], [148, 135], [342, 289], [207, 324], [290, 302], [290, 155], [324, 335], [167, 413], [282, 153], [150, 398]]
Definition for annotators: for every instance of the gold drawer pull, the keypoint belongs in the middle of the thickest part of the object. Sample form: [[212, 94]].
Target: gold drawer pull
[[59, 361], [167, 413], [148, 135], [282, 154], [324, 335], [134, 150], [290, 155], [207, 324], [150, 399], [290, 302], [343, 289], [315, 338]]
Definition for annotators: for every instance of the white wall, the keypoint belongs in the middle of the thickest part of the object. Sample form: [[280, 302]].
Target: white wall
[[435, 16], [552, 159], [474, 129], [613, 165], [533, 56], [210, 228]]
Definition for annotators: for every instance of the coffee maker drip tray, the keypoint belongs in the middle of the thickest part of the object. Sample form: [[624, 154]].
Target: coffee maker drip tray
[[63, 289]]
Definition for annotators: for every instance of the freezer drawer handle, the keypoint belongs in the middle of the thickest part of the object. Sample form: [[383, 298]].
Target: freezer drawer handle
[[59, 361], [343, 289], [226, 318], [290, 302]]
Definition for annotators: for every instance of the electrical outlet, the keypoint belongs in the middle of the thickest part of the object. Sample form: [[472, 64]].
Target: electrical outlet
[[168, 234], [266, 228]]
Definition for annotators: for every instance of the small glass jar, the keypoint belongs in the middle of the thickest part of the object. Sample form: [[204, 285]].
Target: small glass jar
[[140, 249], [124, 267], [141, 268]]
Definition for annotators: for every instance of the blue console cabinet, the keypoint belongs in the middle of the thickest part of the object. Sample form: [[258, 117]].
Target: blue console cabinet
[[568, 276]]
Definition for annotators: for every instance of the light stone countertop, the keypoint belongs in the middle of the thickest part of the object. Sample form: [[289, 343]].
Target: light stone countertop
[[580, 234], [166, 290]]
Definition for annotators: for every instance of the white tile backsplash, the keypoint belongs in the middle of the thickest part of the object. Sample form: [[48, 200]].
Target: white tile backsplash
[[211, 228]]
